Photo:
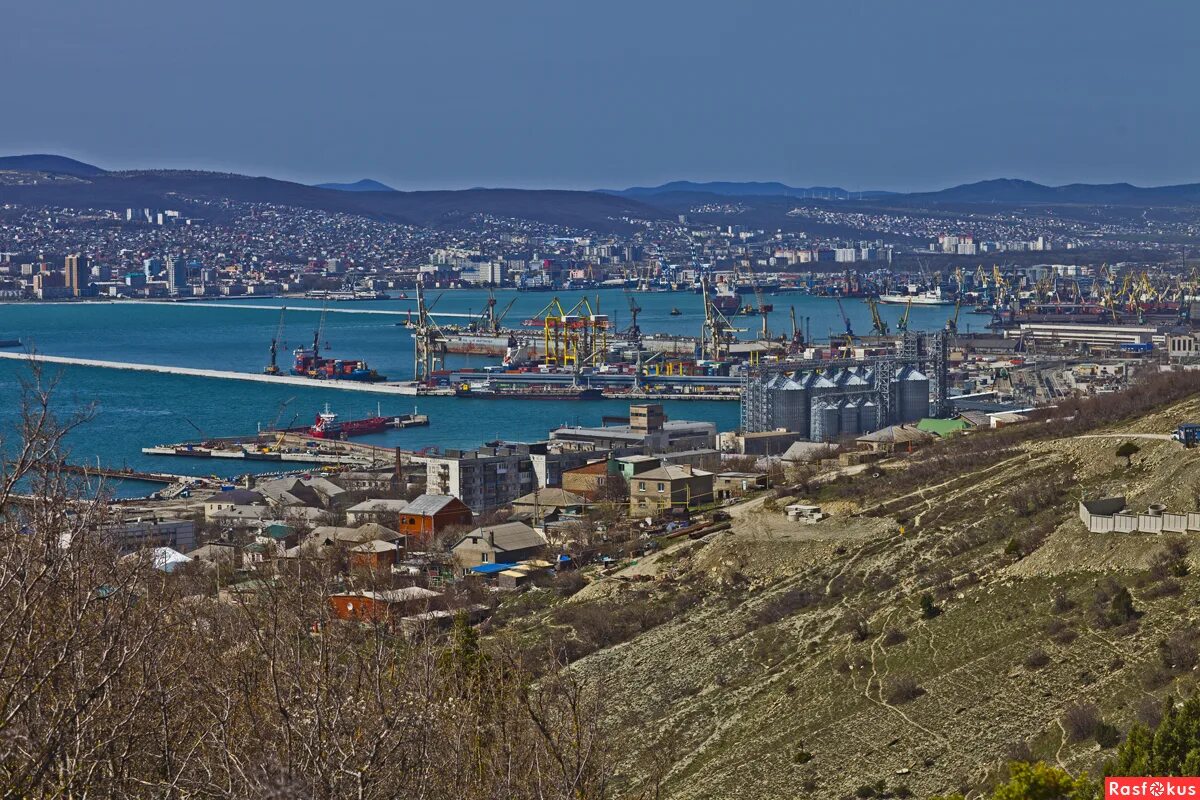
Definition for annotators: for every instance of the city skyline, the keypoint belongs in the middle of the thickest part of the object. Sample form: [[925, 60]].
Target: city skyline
[[539, 95]]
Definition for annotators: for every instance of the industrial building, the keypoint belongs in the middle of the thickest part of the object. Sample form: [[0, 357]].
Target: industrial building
[[825, 400]]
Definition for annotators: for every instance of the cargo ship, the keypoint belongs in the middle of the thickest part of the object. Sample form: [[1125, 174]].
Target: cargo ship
[[310, 364], [491, 391], [726, 299]]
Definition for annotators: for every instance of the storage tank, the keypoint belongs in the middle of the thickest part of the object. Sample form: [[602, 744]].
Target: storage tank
[[825, 422], [791, 407], [868, 417], [914, 395], [848, 418]]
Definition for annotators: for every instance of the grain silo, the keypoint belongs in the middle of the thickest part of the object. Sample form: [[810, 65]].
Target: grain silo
[[848, 418], [914, 395], [868, 416]]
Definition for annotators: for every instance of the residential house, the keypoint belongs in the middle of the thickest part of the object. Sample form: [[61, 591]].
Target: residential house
[[231, 499], [507, 543], [551, 505], [375, 555], [590, 479], [736, 484], [668, 488], [383, 511], [386, 606], [430, 514]]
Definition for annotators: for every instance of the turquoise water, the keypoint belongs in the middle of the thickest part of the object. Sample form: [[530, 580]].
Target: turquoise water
[[132, 410]]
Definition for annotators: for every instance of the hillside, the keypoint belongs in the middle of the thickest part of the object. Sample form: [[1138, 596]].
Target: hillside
[[171, 188], [60, 165], [795, 660]]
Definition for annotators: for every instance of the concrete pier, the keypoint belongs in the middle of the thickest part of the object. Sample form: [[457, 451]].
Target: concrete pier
[[279, 380]]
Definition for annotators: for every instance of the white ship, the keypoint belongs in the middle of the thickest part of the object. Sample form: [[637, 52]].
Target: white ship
[[918, 297]]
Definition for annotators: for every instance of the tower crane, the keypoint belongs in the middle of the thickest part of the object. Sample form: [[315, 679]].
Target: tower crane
[[276, 341]]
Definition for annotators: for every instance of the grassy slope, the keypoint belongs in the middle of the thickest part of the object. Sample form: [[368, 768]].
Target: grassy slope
[[726, 700]]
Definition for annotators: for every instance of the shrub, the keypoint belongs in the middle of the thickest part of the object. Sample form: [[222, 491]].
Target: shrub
[[568, 582], [1167, 587], [893, 637], [901, 689], [1107, 735], [928, 609], [1060, 603], [1059, 631], [1128, 450], [1080, 721], [1037, 658], [1178, 652]]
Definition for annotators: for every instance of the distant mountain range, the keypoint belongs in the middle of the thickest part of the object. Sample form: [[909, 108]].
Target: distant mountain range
[[56, 180], [75, 184], [365, 185], [747, 189], [1011, 190]]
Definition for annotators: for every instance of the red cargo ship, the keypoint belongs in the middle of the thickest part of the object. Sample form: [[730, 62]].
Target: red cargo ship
[[327, 426]]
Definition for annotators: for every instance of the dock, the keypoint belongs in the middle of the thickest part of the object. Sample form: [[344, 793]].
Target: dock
[[405, 389]]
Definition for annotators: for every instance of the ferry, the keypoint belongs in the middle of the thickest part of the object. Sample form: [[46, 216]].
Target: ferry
[[928, 297]]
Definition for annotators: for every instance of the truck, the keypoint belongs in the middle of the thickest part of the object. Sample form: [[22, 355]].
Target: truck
[[1187, 434]]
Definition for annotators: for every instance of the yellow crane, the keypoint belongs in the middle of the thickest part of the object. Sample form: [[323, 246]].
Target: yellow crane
[[877, 322], [902, 323]]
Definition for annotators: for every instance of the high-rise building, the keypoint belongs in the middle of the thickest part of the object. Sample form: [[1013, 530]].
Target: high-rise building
[[176, 274], [76, 274]]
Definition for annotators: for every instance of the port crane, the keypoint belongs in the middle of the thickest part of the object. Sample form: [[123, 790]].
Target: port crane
[[429, 341], [878, 324], [902, 323], [635, 332], [489, 320], [796, 346], [316, 348], [952, 323], [845, 319], [276, 341], [717, 333]]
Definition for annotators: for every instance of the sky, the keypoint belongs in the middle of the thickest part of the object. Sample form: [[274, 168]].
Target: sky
[[905, 95]]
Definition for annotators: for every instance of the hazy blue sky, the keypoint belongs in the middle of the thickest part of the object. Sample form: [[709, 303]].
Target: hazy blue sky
[[894, 94]]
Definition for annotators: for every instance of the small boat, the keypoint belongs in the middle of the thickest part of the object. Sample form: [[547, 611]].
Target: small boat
[[675, 312]]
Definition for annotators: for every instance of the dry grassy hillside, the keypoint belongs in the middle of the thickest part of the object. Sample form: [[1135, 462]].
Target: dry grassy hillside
[[775, 660]]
